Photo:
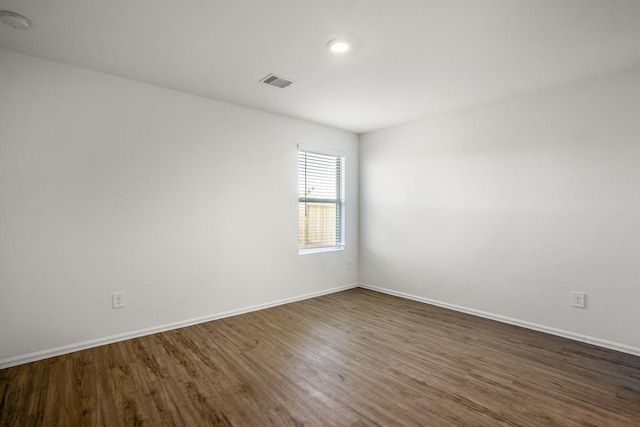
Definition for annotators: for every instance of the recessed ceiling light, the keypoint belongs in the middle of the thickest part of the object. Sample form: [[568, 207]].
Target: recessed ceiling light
[[339, 45], [14, 20]]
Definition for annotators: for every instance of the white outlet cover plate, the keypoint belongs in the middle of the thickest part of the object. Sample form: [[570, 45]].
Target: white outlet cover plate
[[578, 299], [118, 300]]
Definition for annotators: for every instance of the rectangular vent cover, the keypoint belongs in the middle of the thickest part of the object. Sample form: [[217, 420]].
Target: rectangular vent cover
[[276, 81]]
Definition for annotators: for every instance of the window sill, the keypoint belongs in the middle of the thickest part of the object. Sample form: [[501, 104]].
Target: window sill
[[318, 250]]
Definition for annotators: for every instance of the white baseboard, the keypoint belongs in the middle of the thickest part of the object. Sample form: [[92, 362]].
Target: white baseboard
[[553, 331], [70, 348]]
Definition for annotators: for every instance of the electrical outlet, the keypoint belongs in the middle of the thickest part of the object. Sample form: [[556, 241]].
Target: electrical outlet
[[578, 299], [118, 300], [349, 265]]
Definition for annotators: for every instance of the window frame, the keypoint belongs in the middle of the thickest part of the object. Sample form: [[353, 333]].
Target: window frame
[[339, 201]]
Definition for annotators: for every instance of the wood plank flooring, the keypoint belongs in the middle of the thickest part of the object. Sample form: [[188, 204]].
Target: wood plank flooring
[[354, 358]]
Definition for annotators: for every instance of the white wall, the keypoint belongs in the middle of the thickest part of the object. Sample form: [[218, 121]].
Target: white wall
[[187, 204], [506, 208]]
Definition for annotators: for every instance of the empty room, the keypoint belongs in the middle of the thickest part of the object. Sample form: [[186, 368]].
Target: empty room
[[320, 213]]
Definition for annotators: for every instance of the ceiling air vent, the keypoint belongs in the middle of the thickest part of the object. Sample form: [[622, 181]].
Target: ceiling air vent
[[276, 81]]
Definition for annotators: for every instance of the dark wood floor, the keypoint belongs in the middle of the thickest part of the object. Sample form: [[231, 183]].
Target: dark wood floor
[[354, 358]]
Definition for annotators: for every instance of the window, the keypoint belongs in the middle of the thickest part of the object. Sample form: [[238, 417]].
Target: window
[[320, 201]]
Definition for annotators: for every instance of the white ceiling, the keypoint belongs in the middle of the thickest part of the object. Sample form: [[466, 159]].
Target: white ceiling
[[412, 58]]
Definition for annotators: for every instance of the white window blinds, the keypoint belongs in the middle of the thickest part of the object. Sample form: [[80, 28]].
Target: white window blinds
[[320, 201]]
